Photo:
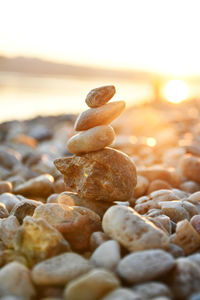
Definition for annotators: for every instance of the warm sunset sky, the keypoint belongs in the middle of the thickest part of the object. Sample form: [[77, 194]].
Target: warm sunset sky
[[155, 35]]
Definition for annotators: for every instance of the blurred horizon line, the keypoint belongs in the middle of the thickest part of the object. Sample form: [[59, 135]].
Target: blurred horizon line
[[36, 65]]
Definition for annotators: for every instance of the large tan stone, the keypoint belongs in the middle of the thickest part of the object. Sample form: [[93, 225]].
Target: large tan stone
[[102, 115], [100, 96], [132, 230], [107, 175], [74, 222], [38, 240], [92, 139]]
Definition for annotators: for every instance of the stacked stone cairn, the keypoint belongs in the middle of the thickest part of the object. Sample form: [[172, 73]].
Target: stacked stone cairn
[[97, 172]]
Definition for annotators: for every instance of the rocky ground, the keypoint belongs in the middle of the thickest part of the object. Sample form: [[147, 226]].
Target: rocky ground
[[55, 244]]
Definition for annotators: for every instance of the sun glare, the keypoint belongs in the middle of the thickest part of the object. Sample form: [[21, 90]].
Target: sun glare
[[176, 91]]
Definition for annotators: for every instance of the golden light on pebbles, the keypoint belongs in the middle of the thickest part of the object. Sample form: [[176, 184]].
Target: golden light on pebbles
[[176, 91]]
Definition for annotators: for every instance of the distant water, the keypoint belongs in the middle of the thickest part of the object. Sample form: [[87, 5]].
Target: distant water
[[24, 96]]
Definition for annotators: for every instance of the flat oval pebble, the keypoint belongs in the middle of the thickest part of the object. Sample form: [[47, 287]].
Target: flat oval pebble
[[91, 140], [60, 269], [92, 285], [145, 265], [15, 280], [132, 230], [103, 115], [41, 186], [107, 255], [100, 96], [122, 294]]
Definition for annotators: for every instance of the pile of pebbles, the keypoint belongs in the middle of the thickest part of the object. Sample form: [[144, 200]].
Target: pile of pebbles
[[102, 223]]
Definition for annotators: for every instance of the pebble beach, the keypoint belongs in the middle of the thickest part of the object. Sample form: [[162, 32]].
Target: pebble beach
[[104, 205]]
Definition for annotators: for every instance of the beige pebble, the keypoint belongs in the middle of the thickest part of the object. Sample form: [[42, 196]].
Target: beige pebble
[[165, 222], [107, 255], [158, 184], [122, 294], [8, 230], [141, 186], [102, 115], [190, 186], [174, 210], [185, 278], [195, 197], [195, 222], [145, 203], [9, 200], [100, 96], [60, 269], [152, 174], [190, 167], [132, 230], [186, 237], [5, 187], [92, 139], [92, 285], [15, 280], [41, 186], [145, 265], [151, 289]]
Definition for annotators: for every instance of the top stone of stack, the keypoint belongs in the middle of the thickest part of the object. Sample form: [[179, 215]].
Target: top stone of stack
[[100, 96]]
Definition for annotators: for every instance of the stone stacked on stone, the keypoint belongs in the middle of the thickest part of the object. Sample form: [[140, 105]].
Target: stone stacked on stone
[[97, 172]]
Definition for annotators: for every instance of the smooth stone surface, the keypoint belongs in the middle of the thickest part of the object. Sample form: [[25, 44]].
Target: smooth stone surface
[[132, 230], [100, 96], [106, 175], [174, 210], [92, 139], [158, 184], [92, 285], [122, 294], [195, 222], [9, 200], [145, 265], [15, 280], [186, 237], [76, 223], [72, 199], [185, 278], [103, 115], [60, 269], [107, 255], [38, 240], [5, 187], [190, 167], [41, 186], [8, 230], [152, 289]]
